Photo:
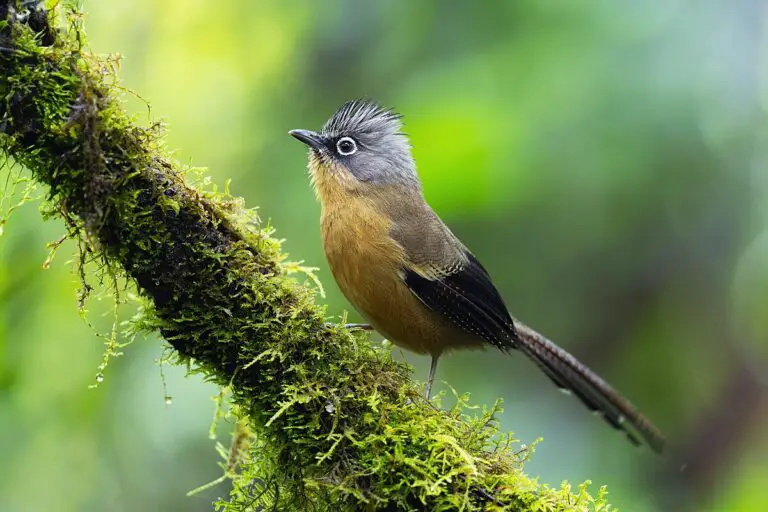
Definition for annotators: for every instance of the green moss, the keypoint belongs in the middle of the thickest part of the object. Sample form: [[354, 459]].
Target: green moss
[[337, 423]]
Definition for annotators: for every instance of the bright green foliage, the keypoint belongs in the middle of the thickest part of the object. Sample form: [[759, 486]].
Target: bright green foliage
[[338, 424]]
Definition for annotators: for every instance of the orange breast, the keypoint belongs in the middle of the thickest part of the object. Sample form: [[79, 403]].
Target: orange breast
[[367, 264]]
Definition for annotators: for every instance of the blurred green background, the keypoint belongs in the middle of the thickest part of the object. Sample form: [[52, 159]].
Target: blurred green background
[[605, 160]]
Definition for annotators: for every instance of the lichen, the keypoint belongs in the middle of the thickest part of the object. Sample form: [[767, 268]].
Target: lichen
[[336, 423]]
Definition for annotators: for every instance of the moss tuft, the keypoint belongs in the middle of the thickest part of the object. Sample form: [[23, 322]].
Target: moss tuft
[[337, 424]]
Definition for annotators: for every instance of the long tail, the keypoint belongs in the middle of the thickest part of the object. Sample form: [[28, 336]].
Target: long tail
[[572, 376]]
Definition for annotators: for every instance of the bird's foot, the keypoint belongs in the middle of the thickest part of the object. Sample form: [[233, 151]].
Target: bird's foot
[[352, 327], [358, 327]]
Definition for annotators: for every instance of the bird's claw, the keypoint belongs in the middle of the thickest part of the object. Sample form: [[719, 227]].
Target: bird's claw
[[352, 327], [360, 327]]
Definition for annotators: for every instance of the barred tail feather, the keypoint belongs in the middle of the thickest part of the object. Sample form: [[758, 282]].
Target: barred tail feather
[[571, 375]]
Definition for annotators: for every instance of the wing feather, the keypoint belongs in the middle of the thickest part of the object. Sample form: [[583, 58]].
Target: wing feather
[[468, 298]]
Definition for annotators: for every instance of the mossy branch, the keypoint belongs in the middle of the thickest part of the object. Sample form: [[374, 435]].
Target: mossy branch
[[338, 423]]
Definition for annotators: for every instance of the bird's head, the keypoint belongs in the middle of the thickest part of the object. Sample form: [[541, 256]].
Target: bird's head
[[360, 146]]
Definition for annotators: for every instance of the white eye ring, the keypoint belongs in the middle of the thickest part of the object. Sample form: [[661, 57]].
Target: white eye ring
[[349, 144]]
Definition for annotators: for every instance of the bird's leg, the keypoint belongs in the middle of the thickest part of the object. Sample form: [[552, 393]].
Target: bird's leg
[[362, 327], [432, 371]]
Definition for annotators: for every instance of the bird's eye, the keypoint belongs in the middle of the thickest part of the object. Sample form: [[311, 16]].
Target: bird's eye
[[346, 146]]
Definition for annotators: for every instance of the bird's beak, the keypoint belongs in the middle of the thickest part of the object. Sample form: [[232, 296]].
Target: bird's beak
[[312, 139]]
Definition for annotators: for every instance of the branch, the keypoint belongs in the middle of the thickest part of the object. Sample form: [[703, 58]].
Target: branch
[[339, 424]]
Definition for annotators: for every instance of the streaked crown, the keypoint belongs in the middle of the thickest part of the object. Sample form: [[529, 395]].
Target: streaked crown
[[363, 118]]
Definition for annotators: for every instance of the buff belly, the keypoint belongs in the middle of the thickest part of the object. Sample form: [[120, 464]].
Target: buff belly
[[367, 265]]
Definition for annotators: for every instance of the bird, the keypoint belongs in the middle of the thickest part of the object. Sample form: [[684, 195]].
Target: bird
[[410, 277]]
